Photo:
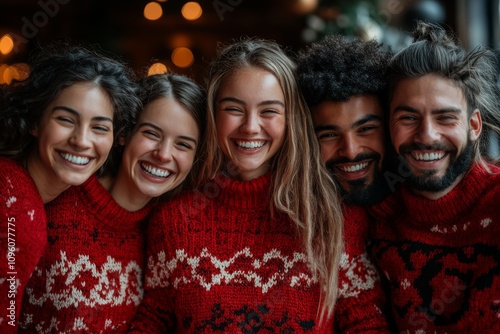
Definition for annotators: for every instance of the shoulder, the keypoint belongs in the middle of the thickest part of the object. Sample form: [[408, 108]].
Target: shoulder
[[182, 204], [12, 169], [486, 178], [356, 223], [15, 179], [19, 196], [389, 207]]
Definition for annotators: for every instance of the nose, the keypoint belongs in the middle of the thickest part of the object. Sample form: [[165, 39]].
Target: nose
[[350, 147], [427, 132], [164, 152], [251, 124], [80, 138]]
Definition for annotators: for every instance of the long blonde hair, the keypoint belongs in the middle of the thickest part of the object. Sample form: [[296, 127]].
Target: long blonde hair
[[300, 187]]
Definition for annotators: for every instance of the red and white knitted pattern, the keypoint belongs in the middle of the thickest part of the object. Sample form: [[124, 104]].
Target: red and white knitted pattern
[[442, 258], [218, 262], [90, 277], [22, 238]]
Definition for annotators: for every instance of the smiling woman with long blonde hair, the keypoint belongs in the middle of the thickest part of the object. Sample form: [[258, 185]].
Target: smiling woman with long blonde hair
[[258, 246]]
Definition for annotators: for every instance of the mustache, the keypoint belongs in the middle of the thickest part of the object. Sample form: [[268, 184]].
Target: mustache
[[330, 164], [407, 148]]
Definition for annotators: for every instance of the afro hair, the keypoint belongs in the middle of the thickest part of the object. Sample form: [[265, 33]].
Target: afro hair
[[338, 67]]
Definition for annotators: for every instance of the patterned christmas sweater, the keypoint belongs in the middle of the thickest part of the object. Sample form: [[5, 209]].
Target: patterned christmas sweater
[[441, 258], [22, 238], [219, 263], [90, 277]]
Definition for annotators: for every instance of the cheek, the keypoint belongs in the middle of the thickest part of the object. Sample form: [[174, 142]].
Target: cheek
[[137, 147], [224, 127], [327, 151], [104, 144], [278, 129], [397, 135], [53, 132], [185, 162]]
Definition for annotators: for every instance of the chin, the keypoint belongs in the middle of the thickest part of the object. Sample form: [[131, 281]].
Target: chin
[[75, 181]]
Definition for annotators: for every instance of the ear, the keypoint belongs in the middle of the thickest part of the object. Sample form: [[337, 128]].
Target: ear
[[34, 131], [122, 140], [475, 125]]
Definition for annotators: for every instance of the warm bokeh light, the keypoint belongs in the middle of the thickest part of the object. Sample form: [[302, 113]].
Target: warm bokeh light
[[304, 6], [6, 44], [191, 11], [157, 68], [14, 72], [8, 75], [179, 39], [182, 57], [153, 11], [23, 71], [3, 67]]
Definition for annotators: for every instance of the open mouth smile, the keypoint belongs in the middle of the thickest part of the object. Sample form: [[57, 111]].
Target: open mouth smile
[[427, 156], [75, 159], [353, 168], [249, 145], [155, 171]]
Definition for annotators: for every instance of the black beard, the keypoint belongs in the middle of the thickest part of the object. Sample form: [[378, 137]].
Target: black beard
[[361, 193], [458, 166], [366, 194]]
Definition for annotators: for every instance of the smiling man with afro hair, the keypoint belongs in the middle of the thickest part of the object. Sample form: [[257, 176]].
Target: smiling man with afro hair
[[343, 80]]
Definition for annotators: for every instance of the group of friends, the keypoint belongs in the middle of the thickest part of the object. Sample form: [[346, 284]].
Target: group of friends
[[345, 189]]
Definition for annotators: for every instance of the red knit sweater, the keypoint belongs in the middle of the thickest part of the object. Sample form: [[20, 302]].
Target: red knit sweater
[[22, 238], [89, 279], [442, 258], [218, 262]]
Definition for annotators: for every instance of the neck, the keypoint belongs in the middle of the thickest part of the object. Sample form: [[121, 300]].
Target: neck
[[49, 186], [129, 198]]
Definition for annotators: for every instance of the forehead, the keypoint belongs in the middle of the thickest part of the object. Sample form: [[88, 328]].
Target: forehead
[[251, 83], [428, 92], [169, 115], [345, 114], [86, 98]]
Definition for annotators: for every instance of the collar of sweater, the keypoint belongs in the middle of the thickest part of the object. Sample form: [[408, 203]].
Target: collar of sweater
[[447, 208], [245, 195], [99, 201]]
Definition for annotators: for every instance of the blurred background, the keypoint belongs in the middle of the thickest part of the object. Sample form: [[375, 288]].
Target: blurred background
[[155, 36]]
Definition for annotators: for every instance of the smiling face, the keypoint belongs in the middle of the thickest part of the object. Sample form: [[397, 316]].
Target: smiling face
[[160, 153], [432, 132], [351, 137], [75, 135], [250, 120]]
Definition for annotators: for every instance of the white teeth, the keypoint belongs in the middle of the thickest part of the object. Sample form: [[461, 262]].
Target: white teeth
[[250, 144], [75, 159], [354, 168], [428, 156], [155, 171]]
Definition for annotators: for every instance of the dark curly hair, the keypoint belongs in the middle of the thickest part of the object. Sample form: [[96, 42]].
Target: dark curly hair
[[435, 51], [338, 67], [53, 68]]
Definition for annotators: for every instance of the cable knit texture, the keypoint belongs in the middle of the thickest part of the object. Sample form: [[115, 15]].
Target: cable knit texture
[[218, 262], [441, 258], [22, 239], [89, 279]]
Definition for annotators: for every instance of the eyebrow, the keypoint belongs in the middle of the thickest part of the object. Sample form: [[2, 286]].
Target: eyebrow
[[406, 108], [263, 103], [368, 118], [77, 114], [157, 128], [333, 127]]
